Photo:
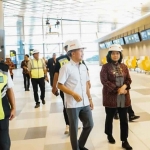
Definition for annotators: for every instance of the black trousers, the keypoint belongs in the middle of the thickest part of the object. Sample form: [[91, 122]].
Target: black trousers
[[130, 111], [26, 78], [64, 110], [110, 112], [4, 135], [12, 76], [51, 78], [41, 83]]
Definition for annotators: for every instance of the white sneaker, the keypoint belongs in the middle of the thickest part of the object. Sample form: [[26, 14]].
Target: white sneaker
[[67, 130]]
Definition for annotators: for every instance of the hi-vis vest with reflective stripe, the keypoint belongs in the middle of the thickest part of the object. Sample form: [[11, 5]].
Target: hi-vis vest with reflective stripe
[[64, 61], [37, 68], [4, 104]]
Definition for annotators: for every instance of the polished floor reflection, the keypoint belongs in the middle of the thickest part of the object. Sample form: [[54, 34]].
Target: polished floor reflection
[[43, 128]]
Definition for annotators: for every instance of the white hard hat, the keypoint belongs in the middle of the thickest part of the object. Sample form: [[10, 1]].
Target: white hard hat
[[66, 43], [7, 56], [35, 51], [115, 47], [75, 44]]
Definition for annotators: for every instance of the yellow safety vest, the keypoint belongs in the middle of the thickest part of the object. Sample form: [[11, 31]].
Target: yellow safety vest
[[63, 61], [4, 103], [37, 67]]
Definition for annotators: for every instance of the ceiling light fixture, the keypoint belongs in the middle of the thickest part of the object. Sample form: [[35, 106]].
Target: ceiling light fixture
[[47, 22], [57, 24]]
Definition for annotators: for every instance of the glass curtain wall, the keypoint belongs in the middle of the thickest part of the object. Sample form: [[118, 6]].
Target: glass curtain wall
[[26, 33]]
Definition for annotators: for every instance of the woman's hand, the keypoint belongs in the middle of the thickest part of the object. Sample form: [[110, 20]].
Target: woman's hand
[[125, 92], [122, 91]]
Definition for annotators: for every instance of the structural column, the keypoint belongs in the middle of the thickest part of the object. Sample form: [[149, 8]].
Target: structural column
[[2, 32]]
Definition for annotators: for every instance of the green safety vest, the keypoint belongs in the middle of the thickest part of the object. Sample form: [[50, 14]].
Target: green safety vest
[[4, 103]]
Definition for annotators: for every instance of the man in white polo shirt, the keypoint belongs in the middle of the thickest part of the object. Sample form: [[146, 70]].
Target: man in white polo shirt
[[73, 81]]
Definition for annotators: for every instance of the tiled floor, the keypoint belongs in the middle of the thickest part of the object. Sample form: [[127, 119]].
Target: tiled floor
[[43, 128]]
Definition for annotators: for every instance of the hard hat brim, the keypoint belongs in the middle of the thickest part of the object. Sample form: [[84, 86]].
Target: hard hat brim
[[77, 49], [35, 53]]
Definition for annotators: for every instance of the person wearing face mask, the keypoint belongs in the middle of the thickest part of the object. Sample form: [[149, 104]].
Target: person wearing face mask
[[116, 82]]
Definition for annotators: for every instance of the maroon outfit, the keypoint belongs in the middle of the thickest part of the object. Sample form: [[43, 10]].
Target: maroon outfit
[[110, 90]]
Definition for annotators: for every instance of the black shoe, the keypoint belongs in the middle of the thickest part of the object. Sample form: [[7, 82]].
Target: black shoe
[[28, 90], [116, 116], [83, 148], [134, 117], [43, 102], [37, 105], [111, 139], [126, 145]]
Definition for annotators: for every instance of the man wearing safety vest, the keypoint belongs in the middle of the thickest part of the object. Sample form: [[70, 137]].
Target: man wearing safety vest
[[7, 105], [38, 74]]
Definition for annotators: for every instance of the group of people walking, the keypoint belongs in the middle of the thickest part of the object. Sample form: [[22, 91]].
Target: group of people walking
[[69, 74]]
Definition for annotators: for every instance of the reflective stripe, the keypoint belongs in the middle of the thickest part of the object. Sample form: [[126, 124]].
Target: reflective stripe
[[3, 93], [3, 89], [63, 61]]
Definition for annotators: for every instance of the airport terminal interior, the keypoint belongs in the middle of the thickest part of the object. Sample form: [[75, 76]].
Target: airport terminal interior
[[46, 25]]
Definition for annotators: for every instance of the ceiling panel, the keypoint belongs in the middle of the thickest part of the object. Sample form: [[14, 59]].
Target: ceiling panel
[[122, 11]]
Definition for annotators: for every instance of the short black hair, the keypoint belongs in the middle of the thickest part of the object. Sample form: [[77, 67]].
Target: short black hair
[[109, 60], [66, 47], [70, 52], [27, 55]]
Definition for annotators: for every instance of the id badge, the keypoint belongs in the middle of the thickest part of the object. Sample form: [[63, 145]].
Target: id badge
[[1, 79]]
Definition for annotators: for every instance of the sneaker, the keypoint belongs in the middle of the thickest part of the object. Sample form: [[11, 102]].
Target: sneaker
[[83, 148], [126, 145], [134, 117], [43, 102], [66, 130], [111, 139], [116, 117], [37, 105]]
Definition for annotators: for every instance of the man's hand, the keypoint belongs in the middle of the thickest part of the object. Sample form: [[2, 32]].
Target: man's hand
[[77, 97], [91, 105], [54, 90], [12, 114], [46, 78]]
